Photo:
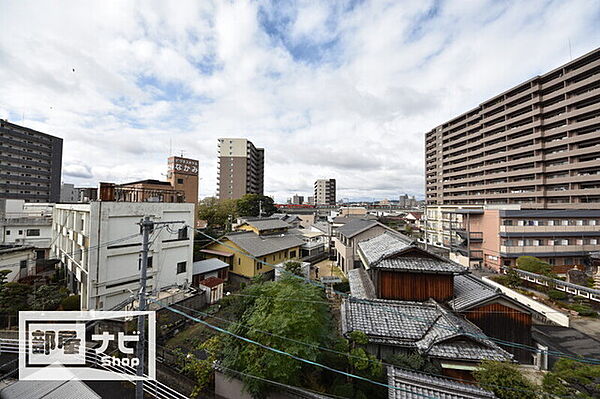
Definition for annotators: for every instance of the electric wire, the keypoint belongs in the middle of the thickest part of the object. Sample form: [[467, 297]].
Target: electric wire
[[333, 350], [426, 322]]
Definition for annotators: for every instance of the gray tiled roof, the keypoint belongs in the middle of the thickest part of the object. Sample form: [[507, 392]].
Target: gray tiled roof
[[263, 245], [356, 226], [267, 224], [427, 327], [418, 264], [394, 251], [208, 265], [414, 385], [469, 291], [392, 322], [383, 245], [361, 285]]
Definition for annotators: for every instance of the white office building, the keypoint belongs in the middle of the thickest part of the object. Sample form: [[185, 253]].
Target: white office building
[[105, 271]]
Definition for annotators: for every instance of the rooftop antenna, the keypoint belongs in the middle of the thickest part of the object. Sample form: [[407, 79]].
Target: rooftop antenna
[[182, 152]]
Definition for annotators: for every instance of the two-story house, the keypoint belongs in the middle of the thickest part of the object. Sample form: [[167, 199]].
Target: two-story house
[[350, 234]]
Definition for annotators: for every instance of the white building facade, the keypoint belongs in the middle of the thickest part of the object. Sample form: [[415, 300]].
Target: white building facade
[[25, 223], [103, 268]]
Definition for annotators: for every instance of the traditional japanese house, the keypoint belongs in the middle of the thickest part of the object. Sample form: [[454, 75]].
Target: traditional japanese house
[[427, 328], [496, 314], [400, 270]]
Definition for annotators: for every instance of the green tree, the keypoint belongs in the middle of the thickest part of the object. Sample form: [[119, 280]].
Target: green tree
[[414, 361], [47, 297], [250, 205], [72, 302], [202, 369], [534, 265], [572, 379], [13, 297], [294, 267], [217, 213], [272, 312], [505, 380]]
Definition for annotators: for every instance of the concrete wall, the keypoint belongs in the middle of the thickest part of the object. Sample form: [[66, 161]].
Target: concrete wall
[[108, 273]]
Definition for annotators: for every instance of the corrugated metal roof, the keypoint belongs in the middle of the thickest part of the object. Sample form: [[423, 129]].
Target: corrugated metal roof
[[208, 265], [71, 389]]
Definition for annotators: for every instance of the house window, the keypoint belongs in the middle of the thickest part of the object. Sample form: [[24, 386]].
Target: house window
[[149, 262], [239, 261], [7, 232], [179, 181], [181, 267], [33, 232], [292, 254], [20, 232]]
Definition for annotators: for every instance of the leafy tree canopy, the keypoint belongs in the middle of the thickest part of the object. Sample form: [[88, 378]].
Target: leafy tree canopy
[[505, 380], [216, 212], [250, 204], [571, 379], [47, 297], [273, 312], [534, 265], [13, 297], [294, 267]]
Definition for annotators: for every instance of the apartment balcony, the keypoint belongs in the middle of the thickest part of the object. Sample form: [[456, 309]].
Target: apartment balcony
[[550, 229], [556, 250]]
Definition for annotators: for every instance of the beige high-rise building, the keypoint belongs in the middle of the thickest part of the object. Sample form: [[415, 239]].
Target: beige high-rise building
[[240, 169], [536, 145], [325, 192]]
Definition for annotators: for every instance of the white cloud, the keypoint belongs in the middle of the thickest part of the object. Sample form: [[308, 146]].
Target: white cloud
[[344, 90]]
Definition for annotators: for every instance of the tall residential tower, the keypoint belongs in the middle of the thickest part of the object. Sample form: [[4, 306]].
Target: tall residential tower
[[30, 164], [325, 192], [536, 145], [240, 169]]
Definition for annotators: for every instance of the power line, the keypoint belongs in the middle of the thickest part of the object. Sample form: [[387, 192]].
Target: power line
[[333, 350], [426, 322], [325, 302], [219, 329]]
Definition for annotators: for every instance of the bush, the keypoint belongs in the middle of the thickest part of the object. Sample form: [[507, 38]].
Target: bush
[[557, 295], [505, 380], [534, 265], [72, 302], [584, 310]]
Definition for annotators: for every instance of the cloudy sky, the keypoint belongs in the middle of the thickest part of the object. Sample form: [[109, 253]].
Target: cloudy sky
[[329, 89]]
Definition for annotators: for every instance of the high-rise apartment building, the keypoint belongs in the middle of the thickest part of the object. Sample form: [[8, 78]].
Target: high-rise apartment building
[[537, 145], [30, 164], [325, 192], [240, 169]]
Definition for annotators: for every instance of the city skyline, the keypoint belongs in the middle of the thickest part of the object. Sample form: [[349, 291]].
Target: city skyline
[[346, 91]]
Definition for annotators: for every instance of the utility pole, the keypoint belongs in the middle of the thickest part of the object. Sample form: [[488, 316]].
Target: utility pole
[[260, 209], [147, 226]]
